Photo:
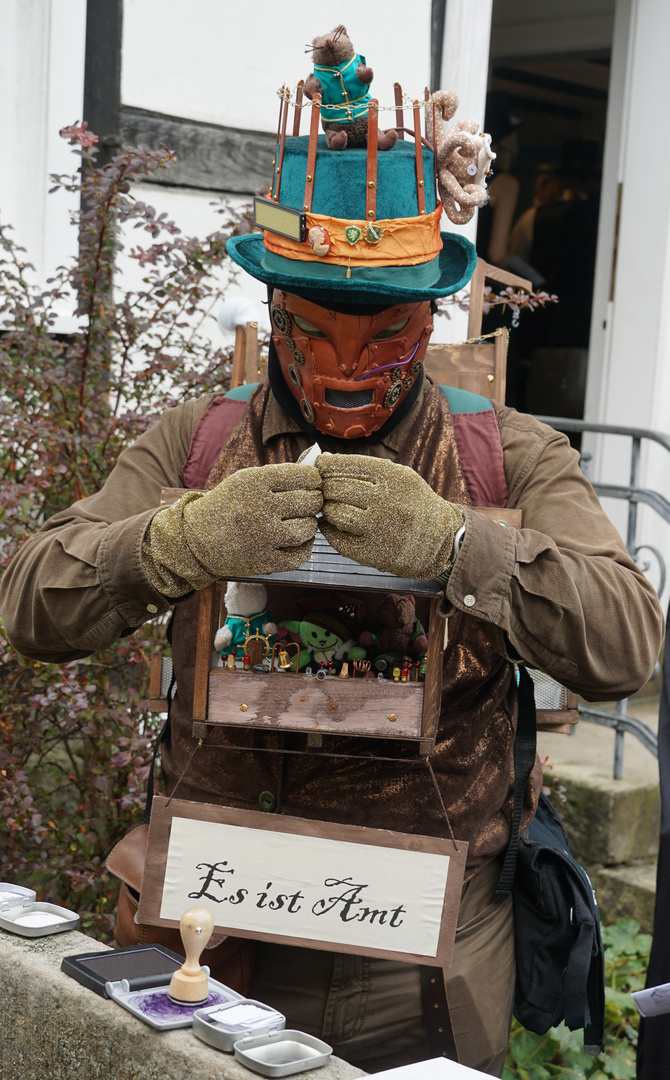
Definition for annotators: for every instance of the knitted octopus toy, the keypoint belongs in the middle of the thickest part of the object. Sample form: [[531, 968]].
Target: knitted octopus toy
[[463, 154]]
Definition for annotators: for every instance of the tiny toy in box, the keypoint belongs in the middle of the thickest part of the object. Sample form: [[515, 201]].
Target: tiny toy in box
[[333, 691]]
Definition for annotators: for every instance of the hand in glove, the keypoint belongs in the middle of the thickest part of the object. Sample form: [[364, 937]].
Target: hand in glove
[[385, 515], [258, 521]]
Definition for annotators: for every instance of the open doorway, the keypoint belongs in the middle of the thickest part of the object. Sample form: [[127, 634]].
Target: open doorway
[[548, 98]]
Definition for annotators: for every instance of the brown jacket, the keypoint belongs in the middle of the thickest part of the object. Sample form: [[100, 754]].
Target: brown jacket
[[561, 593]]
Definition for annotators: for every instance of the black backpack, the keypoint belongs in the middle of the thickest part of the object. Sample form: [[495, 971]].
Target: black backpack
[[560, 969]]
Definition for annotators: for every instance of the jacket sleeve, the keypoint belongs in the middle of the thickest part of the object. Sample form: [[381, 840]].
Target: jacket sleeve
[[562, 590], [78, 585]]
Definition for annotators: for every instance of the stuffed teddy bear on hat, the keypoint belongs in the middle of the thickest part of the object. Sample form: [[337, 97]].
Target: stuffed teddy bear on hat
[[326, 627], [342, 78]]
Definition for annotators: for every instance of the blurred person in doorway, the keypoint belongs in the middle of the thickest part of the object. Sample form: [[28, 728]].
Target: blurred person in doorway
[[554, 343], [495, 219], [549, 187]]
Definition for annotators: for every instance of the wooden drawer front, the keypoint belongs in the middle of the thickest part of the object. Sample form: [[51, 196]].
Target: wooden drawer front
[[289, 702]]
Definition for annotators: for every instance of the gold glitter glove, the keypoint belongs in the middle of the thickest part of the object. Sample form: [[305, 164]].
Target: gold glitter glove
[[385, 515], [258, 521]]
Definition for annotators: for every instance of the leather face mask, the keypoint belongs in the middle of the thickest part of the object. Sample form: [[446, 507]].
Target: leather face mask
[[349, 373]]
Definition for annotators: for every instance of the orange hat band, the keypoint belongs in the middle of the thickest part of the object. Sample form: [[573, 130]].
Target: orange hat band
[[334, 241]]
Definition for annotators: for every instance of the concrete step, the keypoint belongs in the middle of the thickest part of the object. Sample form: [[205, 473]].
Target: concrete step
[[612, 825], [609, 822], [626, 892]]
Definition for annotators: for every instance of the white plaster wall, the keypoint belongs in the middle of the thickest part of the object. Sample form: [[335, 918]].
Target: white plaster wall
[[195, 215], [222, 62], [41, 90], [465, 64]]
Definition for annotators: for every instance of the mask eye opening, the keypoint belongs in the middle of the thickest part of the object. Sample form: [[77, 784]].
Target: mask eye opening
[[390, 331], [307, 328]]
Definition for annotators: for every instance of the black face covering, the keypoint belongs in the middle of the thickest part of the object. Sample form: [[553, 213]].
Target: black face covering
[[289, 403]]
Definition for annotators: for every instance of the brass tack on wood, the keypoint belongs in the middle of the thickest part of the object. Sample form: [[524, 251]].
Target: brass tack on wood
[[392, 717], [243, 708]]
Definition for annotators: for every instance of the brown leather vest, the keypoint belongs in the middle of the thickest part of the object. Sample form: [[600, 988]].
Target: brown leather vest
[[473, 759]]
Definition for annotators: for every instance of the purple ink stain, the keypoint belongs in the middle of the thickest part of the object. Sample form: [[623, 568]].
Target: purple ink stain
[[158, 1005]]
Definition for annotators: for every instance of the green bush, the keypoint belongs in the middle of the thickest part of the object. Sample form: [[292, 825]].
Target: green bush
[[559, 1054]]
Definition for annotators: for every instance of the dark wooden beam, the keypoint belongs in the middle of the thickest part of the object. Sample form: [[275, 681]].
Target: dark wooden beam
[[209, 157], [437, 17], [102, 73]]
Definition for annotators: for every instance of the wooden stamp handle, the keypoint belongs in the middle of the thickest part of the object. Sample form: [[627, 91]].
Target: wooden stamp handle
[[195, 926]]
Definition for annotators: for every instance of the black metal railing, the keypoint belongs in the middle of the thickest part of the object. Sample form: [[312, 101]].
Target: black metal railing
[[619, 721]]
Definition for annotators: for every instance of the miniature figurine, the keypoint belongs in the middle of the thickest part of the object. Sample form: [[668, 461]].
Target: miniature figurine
[[246, 618], [325, 628], [361, 665], [398, 633]]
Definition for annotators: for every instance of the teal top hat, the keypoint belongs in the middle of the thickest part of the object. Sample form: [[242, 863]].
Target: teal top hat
[[353, 225]]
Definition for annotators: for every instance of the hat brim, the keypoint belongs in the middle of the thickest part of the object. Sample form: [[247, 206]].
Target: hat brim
[[457, 261]]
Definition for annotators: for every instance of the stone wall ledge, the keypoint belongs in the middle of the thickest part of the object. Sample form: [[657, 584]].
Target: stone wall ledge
[[52, 1027]]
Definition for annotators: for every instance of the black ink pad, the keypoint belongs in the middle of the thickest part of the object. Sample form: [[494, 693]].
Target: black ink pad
[[143, 966]]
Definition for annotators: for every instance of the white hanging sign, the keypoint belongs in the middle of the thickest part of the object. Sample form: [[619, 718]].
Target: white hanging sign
[[328, 886]]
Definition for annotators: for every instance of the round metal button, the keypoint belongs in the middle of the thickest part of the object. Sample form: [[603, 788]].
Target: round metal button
[[267, 802], [469, 600], [152, 608]]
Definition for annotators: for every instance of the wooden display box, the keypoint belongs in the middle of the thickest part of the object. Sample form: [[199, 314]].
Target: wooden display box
[[290, 701], [287, 701]]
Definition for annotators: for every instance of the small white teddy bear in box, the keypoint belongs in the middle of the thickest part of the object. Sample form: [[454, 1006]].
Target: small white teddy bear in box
[[246, 615]]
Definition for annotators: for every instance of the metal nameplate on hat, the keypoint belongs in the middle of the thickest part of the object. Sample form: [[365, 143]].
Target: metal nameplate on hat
[[277, 218]]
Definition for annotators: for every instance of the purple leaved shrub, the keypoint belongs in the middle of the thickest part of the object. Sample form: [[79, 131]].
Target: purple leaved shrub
[[76, 739]]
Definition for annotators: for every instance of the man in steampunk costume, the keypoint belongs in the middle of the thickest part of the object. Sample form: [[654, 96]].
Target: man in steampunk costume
[[351, 303]]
